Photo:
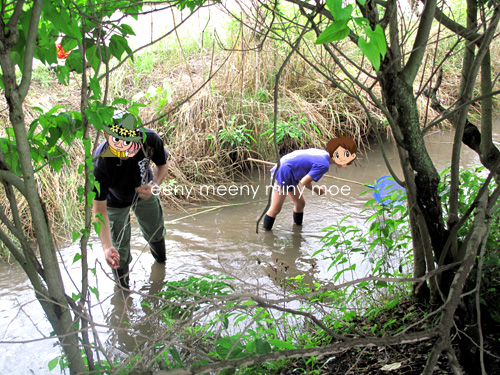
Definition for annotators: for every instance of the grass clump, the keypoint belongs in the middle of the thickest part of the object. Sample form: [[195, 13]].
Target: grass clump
[[214, 108]]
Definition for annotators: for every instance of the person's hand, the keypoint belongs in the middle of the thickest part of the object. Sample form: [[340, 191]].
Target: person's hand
[[112, 257], [144, 191], [320, 190]]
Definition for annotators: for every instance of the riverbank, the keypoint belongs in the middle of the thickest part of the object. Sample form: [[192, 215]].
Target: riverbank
[[209, 134], [220, 241]]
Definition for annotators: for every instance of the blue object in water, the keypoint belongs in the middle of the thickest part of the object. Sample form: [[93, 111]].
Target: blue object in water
[[387, 191]]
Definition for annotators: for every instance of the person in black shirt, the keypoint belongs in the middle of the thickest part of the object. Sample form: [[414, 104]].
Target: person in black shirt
[[125, 181]]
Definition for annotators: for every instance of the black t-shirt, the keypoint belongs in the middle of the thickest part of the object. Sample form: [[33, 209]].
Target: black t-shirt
[[118, 178]]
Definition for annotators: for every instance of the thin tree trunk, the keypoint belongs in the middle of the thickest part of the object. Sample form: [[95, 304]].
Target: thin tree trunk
[[52, 298]]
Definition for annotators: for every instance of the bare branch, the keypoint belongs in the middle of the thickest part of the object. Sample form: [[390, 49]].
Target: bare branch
[[14, 19], [411, 68], [307, 352], [29, 52], [13, 179]]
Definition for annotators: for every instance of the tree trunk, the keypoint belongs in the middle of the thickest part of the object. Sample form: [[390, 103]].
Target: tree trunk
[[52, 298], [401, 103]]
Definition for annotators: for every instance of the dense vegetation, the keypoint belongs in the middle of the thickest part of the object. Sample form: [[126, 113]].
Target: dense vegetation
[[360, 68]]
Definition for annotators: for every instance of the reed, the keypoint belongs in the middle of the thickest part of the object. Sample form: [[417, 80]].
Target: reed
[[229, 119]]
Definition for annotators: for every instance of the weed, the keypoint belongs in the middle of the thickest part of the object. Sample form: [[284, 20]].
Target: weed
[[159, 97], [470, 182], [385, 248], [43, 76], [233, 136]]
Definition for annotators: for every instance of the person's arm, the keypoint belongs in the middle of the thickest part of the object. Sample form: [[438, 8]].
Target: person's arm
[[159, 173], [110, 253], [307, 182]]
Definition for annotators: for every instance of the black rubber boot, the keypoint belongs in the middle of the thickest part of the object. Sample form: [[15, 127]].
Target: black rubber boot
[[122, 277], [298, 217], [268, 222], [158, 251]]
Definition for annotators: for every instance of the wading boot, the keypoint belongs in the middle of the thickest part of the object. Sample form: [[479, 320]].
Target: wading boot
[[158, 250], [268, 222], [122, 277], [298, 217]]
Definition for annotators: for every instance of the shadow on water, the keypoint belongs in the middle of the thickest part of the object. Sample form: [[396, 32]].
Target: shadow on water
[[129, 329], [219, 241]]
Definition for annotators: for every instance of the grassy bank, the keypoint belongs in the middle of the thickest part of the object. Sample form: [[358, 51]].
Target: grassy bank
[[214, 108]]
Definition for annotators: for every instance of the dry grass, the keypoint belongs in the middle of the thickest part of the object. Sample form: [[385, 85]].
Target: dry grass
[[239, 95]]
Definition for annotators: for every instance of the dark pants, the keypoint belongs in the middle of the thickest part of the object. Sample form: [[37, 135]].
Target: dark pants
[[149, 214]]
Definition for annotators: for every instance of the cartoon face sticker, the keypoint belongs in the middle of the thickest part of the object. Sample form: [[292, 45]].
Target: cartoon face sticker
[[343, 157], [123, 139], [342, 150]]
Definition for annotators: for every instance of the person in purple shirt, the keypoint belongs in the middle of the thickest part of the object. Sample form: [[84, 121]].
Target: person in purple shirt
[[299, 169]]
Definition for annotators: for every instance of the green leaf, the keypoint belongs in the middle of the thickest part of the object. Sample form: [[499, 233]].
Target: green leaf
[[77, 257], [378, 38], [262, 346], [175, 354], [87, 146], [120, 101], [56, 162], [95, 87], [132, 10], [74, 62], [53, 363], [76, 236], [281, 344], [117, 45], [370, 51], [68, 43], [80, 190], [360, 21], [76, 296], [96, 184], [60, 17], [336, 31], [97, 227], [95, 291], [90, 198], [47, 53], [376, 47], [54, 109], [126, 30], [93, 118], [391, 304], [225, 347], [93, 57], [338, 12], [55, 135]]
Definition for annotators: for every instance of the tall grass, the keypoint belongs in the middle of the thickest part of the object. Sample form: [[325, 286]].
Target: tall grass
[[210, 136]]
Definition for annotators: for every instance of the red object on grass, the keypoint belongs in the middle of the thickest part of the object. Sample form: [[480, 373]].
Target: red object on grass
[[60, 52]]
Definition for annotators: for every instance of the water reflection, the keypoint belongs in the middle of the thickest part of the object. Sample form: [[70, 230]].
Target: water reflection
[[134, 317], [286, 259], [220, 241]]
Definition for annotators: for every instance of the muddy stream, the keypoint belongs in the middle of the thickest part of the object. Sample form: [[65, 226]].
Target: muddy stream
[[218, 241]]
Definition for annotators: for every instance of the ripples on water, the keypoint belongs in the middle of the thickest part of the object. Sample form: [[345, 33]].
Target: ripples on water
[[221, 241]]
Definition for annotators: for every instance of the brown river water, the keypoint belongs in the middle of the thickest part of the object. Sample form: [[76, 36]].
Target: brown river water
[[218, 241]]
